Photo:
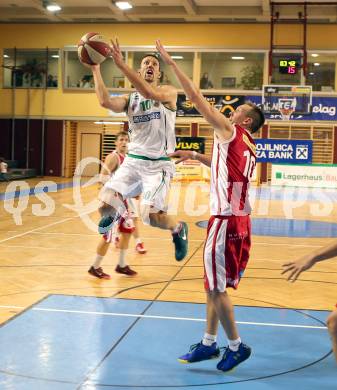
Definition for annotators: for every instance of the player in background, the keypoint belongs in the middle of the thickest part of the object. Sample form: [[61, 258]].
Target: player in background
[[111, 164], [147, 169], [294, 269], [228, 241]]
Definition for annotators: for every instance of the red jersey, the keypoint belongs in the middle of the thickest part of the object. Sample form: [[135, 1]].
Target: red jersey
[[233, 163]]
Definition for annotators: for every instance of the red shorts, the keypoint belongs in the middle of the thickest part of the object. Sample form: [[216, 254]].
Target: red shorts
[[226, 251]]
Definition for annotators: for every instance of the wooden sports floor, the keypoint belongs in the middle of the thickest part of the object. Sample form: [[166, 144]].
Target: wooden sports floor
[[48, 250], [51, 255]]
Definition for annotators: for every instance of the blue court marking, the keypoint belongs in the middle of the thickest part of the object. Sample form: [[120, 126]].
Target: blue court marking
[[289, 227], [36, 190], [66, 342]]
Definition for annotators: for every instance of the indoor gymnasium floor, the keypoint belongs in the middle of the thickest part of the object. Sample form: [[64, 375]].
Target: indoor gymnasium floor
[[63, 329]]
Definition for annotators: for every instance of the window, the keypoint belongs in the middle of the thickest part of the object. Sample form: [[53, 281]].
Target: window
[[80, 76], [30, 68], [226, 70], [321, 72]]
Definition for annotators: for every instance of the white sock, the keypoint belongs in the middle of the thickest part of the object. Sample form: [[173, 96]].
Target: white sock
[[122, 258], [208, 339], [98, 260], [138, 241], [234, 344], [177, 228]]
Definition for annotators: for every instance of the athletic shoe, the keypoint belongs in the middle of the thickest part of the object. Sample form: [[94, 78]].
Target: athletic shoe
[[180, 240], [231, 359], [125, 270], [199, 352], [140, 248], [98, 273], [105, 224]]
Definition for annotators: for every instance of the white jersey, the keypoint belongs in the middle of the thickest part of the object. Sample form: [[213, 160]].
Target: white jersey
[[151, 127]]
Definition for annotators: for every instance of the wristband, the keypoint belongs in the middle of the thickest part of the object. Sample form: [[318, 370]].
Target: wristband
[[194, 155]]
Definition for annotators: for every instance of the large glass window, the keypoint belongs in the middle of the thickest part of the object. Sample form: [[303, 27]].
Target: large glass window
[[79, 76], [30, 68], [321, 71], [231, 70], [184, 60]]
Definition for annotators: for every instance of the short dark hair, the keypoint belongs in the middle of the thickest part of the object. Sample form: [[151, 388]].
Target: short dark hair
[[257, 116], [154, 55], [122, 134]]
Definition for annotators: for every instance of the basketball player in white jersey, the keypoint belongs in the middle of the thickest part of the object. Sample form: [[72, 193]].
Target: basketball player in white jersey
[[112, 162], [151, 111], [227, 245]]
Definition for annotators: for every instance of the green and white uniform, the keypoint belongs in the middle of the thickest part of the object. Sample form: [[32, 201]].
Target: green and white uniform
[[146, 168]]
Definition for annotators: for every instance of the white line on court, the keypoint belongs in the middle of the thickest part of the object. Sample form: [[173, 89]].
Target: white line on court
[[156, 238], [45, 226], [33, 230], [159, 317]]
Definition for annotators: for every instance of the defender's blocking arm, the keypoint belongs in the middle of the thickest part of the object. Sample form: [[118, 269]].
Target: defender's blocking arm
[[221, 124]]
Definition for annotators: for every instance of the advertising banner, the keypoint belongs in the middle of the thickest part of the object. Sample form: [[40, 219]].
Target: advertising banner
[[315, 175], [283, 151], [191, 143], [323, 109], [224, 103]]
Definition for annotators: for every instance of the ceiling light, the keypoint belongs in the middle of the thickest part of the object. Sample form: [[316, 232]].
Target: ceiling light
[[6, 56], [314, 55], [123, 5], [311, 73], [177, 57], [317, 64], [53, 7], [55, 56], [238, 58]]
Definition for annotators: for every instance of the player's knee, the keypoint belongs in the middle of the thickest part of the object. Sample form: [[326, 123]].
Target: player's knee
[[154, 219], [332, 322], [105, 209]]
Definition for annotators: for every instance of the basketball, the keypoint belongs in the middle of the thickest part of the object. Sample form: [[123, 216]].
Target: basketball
[[93, 49]]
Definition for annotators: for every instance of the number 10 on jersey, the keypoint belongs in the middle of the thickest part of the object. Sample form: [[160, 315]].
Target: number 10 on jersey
[[250, 164]]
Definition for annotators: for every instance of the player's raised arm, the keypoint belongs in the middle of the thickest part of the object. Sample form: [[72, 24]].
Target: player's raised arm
[[165, 94], [221, 124], [115, 103]]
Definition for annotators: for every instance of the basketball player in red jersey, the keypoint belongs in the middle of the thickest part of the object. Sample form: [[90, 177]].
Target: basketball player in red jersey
[[295, 268], [227, 246], [111, 164]]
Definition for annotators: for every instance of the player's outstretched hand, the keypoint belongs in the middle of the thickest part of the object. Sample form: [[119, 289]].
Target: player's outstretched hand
[[295, 268], [116, 53], [163, 53], [182, 154]]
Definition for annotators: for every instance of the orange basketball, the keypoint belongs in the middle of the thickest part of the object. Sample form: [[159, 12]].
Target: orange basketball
[[93, 49]]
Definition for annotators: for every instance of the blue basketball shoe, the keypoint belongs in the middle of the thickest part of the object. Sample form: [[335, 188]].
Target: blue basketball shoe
[[231, 359], [199, 352]]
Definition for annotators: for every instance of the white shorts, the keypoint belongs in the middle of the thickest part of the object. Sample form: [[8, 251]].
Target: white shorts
[[136, 176]]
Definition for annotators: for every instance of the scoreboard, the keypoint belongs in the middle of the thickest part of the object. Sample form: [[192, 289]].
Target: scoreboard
[[288, 66]]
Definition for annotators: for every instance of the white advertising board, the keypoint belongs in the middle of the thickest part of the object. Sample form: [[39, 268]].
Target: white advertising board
[[314, 175]]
